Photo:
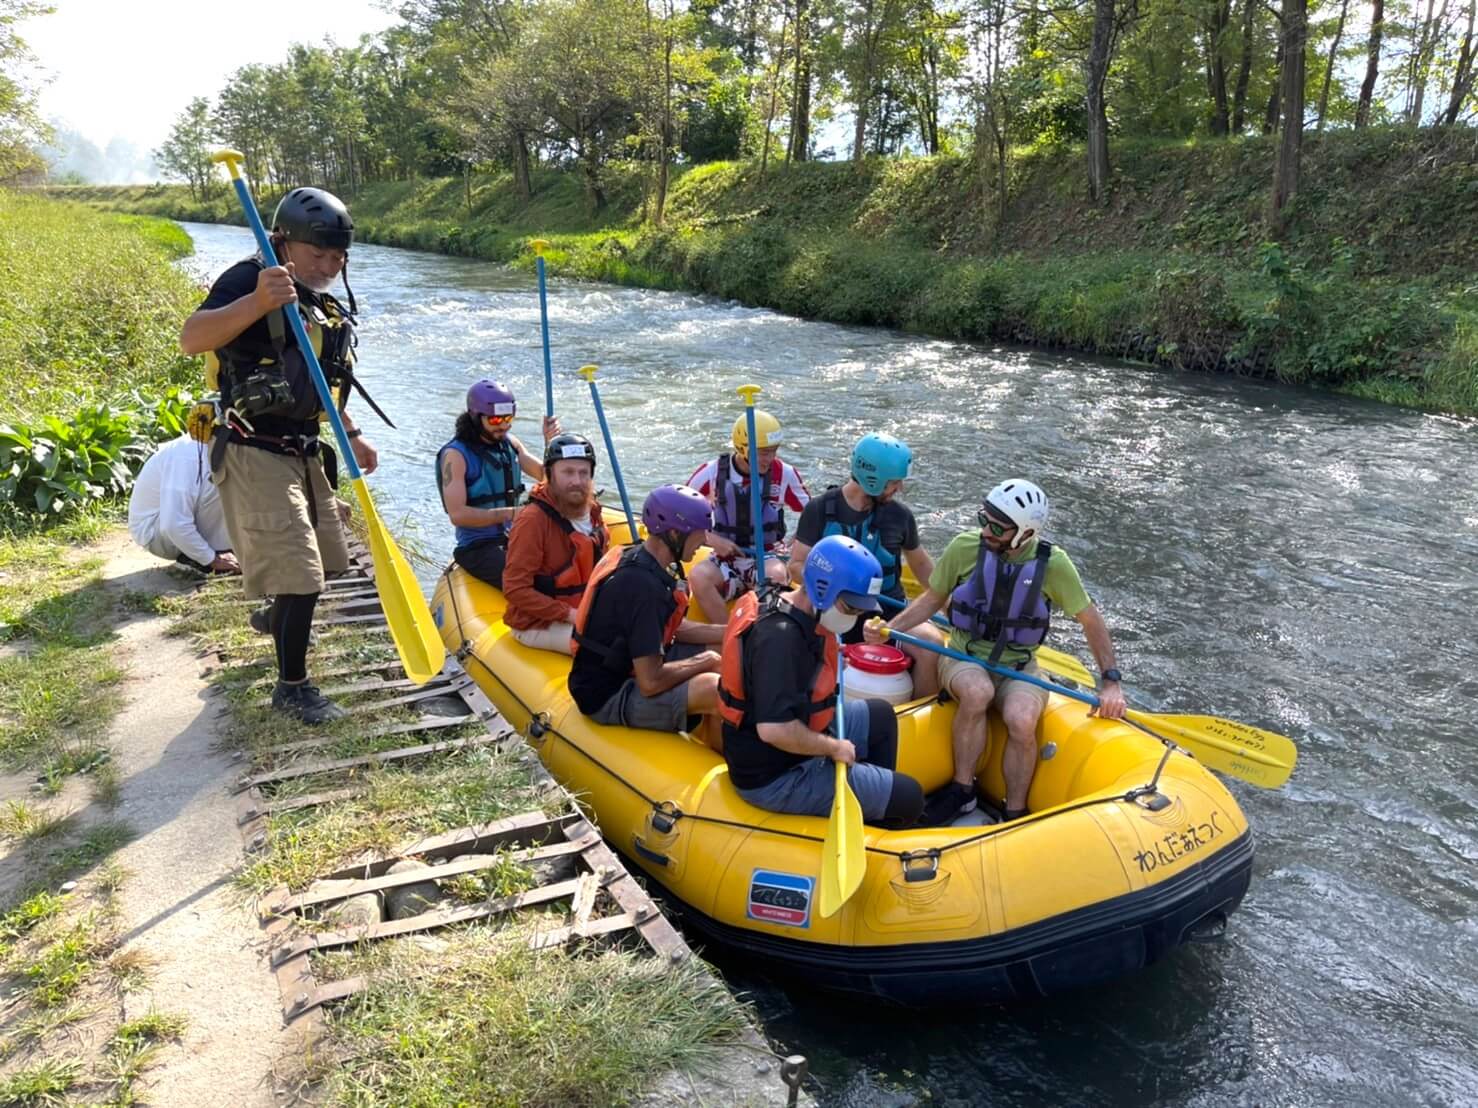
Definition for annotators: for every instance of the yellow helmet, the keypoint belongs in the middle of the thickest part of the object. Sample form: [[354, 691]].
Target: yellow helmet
[[765, 425]]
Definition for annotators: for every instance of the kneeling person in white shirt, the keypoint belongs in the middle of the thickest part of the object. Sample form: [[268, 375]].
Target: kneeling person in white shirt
[[175, 512]]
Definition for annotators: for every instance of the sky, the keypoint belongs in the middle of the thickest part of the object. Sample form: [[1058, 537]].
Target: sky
[[127, 68]]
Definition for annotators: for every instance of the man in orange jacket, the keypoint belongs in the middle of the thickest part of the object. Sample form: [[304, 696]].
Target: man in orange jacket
[[557, 539]]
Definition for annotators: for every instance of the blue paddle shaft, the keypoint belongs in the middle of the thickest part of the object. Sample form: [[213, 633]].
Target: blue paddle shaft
[[894, 602], [605, 430], [1004, 671], [295, 321], [544, 334], [756, 507]]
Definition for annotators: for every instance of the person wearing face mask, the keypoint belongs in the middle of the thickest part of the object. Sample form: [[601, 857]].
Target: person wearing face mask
[[639, 661], [556, 542], [274, 475], [1001, 582], [729, 571], [778, 696], [479, 475]]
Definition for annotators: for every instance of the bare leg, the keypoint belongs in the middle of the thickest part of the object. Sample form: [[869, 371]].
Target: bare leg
[[1020, 710], [707, 582], [972, 689], [925, 670]]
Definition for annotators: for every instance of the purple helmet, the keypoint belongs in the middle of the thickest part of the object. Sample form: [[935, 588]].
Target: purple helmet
[[676, 508], [491, 398]]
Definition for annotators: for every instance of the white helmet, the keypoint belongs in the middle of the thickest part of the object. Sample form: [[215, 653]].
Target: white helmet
[[1021, 503]]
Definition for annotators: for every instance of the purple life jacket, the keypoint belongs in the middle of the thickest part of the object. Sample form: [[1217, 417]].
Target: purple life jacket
[[1003, 603], [731, 509]]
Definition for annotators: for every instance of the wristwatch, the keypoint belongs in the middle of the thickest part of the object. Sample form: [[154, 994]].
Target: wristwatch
[[1112, 674]]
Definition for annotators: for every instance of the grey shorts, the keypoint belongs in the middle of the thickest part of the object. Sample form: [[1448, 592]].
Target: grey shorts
[[807, 789], [666, 711]]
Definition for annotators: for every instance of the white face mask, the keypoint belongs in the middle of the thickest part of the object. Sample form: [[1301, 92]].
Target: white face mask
[[838, 622]]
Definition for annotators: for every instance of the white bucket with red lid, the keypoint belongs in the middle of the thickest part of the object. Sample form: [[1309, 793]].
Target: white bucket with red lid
[[878, 672]]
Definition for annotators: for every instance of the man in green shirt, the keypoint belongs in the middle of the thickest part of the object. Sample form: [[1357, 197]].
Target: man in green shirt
[[1001, 584]]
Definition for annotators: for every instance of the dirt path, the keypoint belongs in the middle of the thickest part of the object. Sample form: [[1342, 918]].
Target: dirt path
[[178, 904]]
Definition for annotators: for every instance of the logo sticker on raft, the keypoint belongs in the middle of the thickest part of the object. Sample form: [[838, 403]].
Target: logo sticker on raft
[[783, 898]]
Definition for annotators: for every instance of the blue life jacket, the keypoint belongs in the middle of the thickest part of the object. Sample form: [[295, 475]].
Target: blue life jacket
[[1002, 602], [866, 532], [494, 480], [731, 504]]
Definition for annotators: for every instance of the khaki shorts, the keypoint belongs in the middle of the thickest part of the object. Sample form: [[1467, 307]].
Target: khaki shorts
[[265, 497], [555, 637], [1006, 687]]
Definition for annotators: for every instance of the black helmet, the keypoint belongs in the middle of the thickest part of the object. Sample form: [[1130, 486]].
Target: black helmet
[[568, 446], [314, 216]]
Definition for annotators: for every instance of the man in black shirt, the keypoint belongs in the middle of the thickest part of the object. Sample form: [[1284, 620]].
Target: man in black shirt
[[626, 670], [866, 508], [778, 692], [267, 460]]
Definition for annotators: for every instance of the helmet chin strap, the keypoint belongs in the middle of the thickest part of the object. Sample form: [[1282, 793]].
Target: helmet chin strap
[[674, 543]]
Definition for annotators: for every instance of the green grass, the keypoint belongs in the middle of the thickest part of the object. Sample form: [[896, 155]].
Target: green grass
[[45, 1083], [504, 1027], [90, 307]]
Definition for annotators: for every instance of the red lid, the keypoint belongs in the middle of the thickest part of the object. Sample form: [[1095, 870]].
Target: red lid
[[877, 659]]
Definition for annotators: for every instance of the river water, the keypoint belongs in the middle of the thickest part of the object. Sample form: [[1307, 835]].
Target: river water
[[1304, 562]]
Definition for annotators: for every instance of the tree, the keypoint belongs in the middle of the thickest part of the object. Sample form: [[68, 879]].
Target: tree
[[1110, 17], [1220, 15], [797, 149], [1372, 62], [871, 21], [1339, 33], [22, 130], [186, 152], [1463, 73], [1295, 18], [1244, 65]]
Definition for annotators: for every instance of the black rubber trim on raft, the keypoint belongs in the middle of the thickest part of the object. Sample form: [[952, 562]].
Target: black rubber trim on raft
[[1085, 947]]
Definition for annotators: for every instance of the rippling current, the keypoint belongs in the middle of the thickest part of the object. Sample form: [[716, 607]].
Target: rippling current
[[1304, 562]]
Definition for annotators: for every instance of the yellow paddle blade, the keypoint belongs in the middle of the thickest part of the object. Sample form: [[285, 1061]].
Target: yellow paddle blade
[[1259, 757], [406, 613], [843, 853]]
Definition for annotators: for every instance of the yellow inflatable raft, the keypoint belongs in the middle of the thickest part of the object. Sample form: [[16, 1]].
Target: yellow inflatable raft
[[1130, 850]]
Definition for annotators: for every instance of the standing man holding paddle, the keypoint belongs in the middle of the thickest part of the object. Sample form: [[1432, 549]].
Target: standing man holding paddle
[[1001, 583], [266, 459]]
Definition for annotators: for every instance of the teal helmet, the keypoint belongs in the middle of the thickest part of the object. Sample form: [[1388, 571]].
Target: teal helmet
[[878, 459]]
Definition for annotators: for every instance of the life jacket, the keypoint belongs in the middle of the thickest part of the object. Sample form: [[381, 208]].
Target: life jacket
[[732, 504], [494, 480], [866, 533], [617, 656], [1002, 602], [733, 701], [330, 327], [570, 581]]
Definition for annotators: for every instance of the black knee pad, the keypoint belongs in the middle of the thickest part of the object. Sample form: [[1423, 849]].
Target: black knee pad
[[905, 803], [882, 734]]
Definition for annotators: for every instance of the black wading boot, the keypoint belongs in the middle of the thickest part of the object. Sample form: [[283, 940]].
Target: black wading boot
[[304, 702]]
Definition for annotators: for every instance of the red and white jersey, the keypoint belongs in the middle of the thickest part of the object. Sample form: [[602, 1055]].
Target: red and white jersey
[[786, 487]]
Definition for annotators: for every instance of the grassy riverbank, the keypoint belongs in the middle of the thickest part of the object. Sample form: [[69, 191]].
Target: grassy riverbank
[[1372, 292]]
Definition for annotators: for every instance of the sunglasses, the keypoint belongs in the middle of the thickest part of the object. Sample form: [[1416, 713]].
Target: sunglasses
[[996, 529], [499, 421]]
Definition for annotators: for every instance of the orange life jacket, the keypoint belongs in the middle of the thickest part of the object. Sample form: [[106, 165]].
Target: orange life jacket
[[732, 701], [570, 581], [616, 655]]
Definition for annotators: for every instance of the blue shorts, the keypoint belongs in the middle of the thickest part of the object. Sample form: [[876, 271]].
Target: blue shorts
[[808, 789]]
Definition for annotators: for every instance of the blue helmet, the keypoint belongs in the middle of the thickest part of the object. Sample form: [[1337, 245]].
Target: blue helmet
[[878, 459], [839, 568]]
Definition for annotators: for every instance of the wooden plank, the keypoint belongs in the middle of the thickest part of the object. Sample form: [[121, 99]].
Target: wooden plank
[[294, 974], [453, 868], [430, 921], [436, 684], [379, 758], [303, 1003], [312, 800], [430, 723], [340, 621], [429, 690], [560, 936], [652, 925], [524, 829]]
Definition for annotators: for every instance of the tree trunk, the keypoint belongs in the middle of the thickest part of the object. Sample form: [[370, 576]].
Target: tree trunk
[[1372, 62], [1216, 66], [864, 83], [1244, 68], [774, 95], [1420, 67], [1291, 79], [521, 177], [595, 197], [1463, 74], [1096, 73], [800, 115], [1275, 98], [1339, 33], [666, 137]]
